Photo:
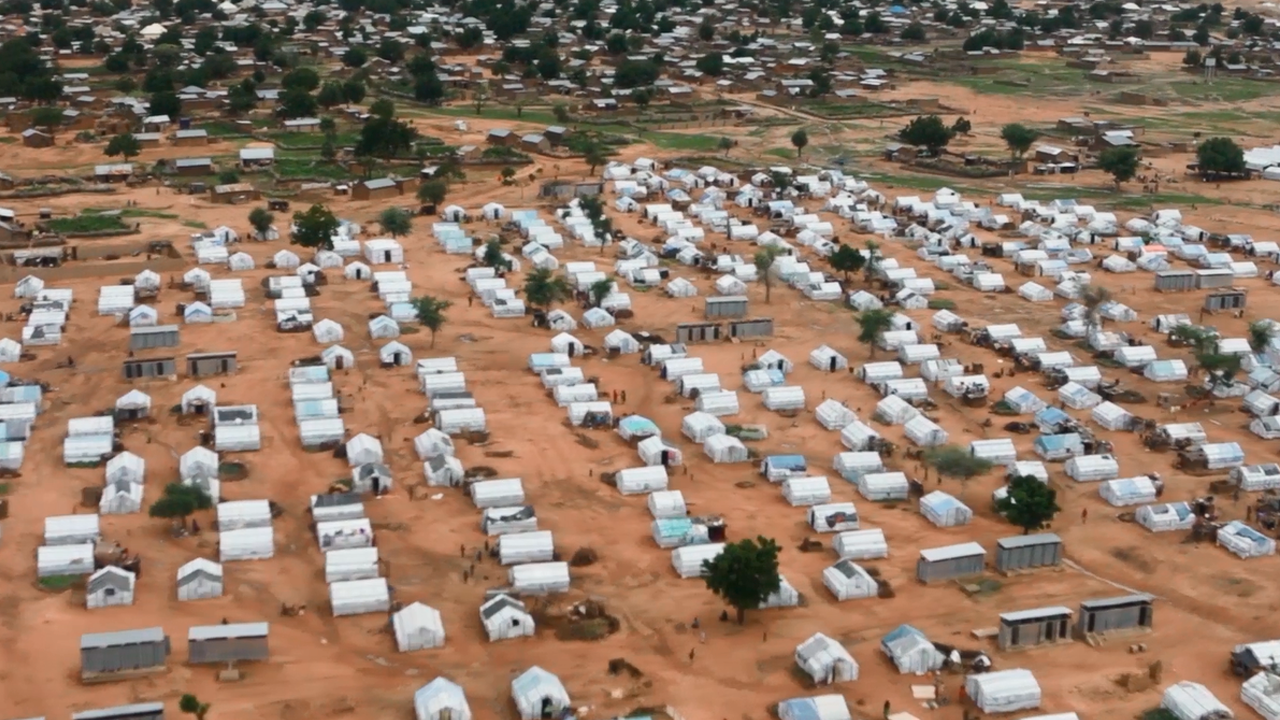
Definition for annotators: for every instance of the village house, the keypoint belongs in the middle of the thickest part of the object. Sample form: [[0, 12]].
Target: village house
[[377, 189], [252, 158], [34, 138], [190, 138], [191, 167], [234, 193], [501, 136], [114, 172], [302, 125], [535, 144]]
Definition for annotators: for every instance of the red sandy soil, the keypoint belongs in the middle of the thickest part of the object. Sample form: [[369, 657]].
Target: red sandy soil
[[321, 666]]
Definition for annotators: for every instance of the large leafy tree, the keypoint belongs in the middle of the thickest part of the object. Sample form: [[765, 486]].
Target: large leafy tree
[[927, 131], [314, 228], [873, 324], [1121, 163], [1019, 138], [493, 257], [430, 311], [744, 574], [180, 501], [847, 259], [433, 191], [1030, 503], [600, 290], [395, 221], [385, 137], [124, 145], [297, 103], [543, 288], [1220, 156], [261, 220], [165, 102], [800, 139]]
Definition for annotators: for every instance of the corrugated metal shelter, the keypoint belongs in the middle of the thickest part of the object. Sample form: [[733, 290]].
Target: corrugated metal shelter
[[1023, 552], [157, 336], [60, 560], [136, 711], [71, 529], [1041, 626], [125, 651], [1003, 691], [1126, 612], [357, 597], [950, 562], [230, 643]]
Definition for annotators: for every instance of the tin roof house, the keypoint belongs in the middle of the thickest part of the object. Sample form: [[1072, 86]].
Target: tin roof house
[[418, 627], [122, 654], [110, 586], [539, 694]]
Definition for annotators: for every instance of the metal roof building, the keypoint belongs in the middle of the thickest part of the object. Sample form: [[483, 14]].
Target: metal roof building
[[237, 642], [124, 651]]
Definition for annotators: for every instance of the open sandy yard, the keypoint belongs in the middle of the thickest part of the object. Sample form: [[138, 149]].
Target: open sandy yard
[[1207, 600]]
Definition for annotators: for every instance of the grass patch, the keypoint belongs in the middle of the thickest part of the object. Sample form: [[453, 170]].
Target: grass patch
[[195, 224], [781, 152], [1223, 90], [304, 140], [4, 488], [8, 139], [131, 213], [493, 112], [942, 304], [225, 128], [677, 141], [302, 168], [86, 224], [59, 582]]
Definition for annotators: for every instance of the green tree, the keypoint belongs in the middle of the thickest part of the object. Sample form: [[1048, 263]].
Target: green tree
[[353, 91], [430, 311], [303, 78], [1221, 369], [261, 219], [873, 324], [385, 137], [711, 64], [1201, 340], [927, 131], [744, 574], [873, 260], [847, 259], [507, 173], [494, 257], [956, 462], [383, 108], [706, 31], [1019, 138], [355, 57], [433, 192], [1220, 156], [1193, 58], [47, 117], [180, 501], [961, 126], [763, 260], [913, 32], [543, 288], [297, 103], [165, 103], [391, 50], [561, 112], [228, 177], [799, 139], [1261, 333], [395, 221], [480, 97], [599, 290], [1121, 163], [240, 100], [190, 705], [314, 228], [124, 145], [726, 144], [1093, 297], [330, 95], [595, 156], [1030, 503]]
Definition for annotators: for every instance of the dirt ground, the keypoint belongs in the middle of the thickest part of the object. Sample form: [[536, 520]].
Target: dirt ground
[[321, 666]]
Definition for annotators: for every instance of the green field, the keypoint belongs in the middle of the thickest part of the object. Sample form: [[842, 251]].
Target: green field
[[87, 223], [301, 168], [678, 141]]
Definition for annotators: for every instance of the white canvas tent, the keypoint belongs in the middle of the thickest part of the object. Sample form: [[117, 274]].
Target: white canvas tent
[[418, 627]]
